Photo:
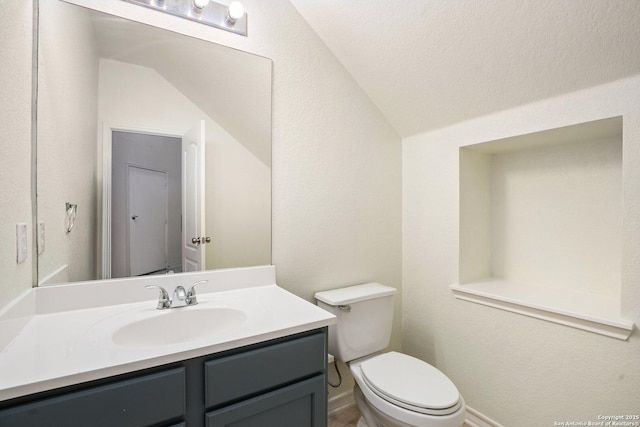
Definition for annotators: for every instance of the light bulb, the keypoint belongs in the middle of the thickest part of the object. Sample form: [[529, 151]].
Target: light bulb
[[200, 4], [235, 12]]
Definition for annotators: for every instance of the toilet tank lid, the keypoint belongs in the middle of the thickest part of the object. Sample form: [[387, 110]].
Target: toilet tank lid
[[351, 294]]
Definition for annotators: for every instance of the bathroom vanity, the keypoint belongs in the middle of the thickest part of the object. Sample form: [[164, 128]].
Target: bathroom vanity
[[280, 382], [266, 369]]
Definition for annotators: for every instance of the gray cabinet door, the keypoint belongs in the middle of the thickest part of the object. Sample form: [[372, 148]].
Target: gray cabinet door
[[239, 376], [142, 401], [298, 405]]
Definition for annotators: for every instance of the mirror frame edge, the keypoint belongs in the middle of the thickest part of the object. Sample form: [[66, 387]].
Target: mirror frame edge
[[34, 142]]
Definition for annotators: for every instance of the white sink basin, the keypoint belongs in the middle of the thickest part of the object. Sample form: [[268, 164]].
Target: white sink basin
[[149, 327], [174, 326]]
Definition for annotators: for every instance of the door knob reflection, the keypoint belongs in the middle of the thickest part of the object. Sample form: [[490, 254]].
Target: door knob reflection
[[200, 240]]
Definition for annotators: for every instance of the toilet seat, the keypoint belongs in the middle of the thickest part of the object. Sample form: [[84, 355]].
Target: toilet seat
[[411, 384]]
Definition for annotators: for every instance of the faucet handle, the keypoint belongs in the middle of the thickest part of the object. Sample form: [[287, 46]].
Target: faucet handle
[[191, 293], [163, 299]]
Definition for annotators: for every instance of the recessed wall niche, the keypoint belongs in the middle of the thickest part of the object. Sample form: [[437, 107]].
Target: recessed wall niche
[[541, 225]]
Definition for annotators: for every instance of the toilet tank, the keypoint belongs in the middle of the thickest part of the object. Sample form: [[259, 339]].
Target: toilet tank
[[365, 318]]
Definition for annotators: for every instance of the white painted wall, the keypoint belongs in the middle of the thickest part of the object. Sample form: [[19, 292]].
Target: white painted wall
[[15, 143], [517, 370], [237, 203], [557, 217], [67, 120], [237, 187]]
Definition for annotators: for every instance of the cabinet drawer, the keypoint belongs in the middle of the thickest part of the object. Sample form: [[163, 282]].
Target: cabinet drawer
[[147, 400], [298, 405], [235, 377]]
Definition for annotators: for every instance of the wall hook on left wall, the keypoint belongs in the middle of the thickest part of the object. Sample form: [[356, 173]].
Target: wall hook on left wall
[[70, 217]]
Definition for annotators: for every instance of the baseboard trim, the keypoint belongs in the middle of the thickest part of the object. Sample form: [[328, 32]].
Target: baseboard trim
[[341, 402], [476, 419]]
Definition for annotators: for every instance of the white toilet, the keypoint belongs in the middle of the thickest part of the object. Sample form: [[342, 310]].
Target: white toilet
[[392, 389]]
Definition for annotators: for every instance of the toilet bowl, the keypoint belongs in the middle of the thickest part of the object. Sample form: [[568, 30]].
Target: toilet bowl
[[392, 389]]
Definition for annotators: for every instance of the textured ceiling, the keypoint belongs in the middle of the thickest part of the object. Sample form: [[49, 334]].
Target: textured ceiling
[[430, 63]]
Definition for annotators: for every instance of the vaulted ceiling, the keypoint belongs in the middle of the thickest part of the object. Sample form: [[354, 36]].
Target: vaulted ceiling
[[430, 63]]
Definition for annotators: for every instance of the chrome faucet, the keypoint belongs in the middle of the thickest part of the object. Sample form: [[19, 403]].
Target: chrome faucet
[[181, 297]]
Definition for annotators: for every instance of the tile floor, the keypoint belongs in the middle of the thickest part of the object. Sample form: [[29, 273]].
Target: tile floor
[[346, 418]]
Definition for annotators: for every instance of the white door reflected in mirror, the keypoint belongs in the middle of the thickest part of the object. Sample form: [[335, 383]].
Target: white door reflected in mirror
[[193, 218]]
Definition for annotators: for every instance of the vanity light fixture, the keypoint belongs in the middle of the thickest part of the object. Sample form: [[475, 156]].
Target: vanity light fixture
[[200, 4], [235, 11], [230, 18]]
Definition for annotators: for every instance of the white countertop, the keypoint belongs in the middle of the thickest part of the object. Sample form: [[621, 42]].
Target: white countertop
[[46, 344]]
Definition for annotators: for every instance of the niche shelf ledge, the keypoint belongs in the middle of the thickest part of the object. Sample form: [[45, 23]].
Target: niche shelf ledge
[[589, 312]]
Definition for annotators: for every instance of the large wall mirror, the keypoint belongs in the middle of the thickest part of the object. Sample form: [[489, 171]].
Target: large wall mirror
[[153, 150]]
